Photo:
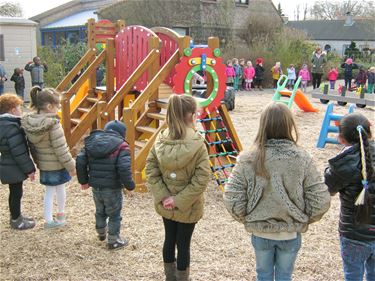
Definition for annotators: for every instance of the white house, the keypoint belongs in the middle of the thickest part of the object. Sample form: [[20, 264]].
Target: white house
[[17, 47]]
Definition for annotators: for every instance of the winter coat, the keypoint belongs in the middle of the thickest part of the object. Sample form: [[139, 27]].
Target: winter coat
[[230, 72], [105, 161], [332, 75], [291, 73], [289, 201], [305, 74], [37, 72], [276, 72], [348, 69], [237, 70], [318, 63], [344, 176], [249, 73], [371, 77], [179, 168], [259, 72], [361, 77], [19, 81], [47, 142], [15, 161]]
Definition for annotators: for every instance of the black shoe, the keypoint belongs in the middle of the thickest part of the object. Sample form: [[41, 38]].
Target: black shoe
[[21, 223], [118, 244], [102, 237]]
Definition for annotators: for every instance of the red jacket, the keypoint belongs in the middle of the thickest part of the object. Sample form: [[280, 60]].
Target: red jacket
[[332, 75], [249, 72]]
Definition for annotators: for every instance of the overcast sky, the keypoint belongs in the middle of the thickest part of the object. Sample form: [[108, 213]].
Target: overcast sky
[[34, 7]]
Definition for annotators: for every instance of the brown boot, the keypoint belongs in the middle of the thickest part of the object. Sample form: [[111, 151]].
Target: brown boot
[[170, 271], [183, 275]]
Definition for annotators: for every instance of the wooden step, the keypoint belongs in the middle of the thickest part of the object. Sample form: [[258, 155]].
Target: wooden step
[[158, 116], [162, 104], [83, 110], [140, 144], [144, 129], [94, 100], [75, 120]]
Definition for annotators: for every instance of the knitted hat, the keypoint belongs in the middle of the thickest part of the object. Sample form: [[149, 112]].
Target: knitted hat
[[116, 126], [259, 60], [349, 61]]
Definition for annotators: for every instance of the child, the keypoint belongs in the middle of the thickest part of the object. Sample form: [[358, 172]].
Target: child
[[348, 72], [371, 80], [231, 74], [238, 72], [249, 73], [305, 77], [242, 78], [273, 205], [3, 78], [332, 77], [15, 162], [178, 171], [105, 165], [361, 78], [351, 173], [259, 73], [276, 73], [37, 70], [49, 150], [19, 82], [291, 76]]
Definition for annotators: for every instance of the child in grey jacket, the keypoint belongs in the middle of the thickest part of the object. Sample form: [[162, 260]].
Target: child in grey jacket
[[276, 192]]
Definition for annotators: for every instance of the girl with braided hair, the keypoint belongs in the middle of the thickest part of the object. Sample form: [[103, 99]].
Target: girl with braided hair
[[351, 173]]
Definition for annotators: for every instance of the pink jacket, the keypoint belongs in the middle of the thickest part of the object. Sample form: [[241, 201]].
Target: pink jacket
[[332, 75], [249, 73], [230, 72], [305, 74]]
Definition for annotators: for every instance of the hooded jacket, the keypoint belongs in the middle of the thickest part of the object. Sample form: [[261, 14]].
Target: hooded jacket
[[105, 161], [47, 142], [348, 69], [318, 63], [179, 168], [259, 72], [289, 201], [15, 161], [344, 176]]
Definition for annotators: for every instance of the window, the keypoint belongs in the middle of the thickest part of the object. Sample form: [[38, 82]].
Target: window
[[2, 52], [72, 36], [47, 39], [242, 2], [182, 30]]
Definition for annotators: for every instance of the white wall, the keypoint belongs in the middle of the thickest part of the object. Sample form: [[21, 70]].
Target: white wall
[[19, 48], [338, 46]]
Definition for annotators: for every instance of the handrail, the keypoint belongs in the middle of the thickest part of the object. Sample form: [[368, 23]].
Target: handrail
[[73, 72], [133, 78], [167, 31], [85, 75], [156, 81]]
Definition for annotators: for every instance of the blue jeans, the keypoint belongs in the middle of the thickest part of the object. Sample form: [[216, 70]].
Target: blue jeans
[[332, 84], [358, 256], [108, 205], [275, 259]]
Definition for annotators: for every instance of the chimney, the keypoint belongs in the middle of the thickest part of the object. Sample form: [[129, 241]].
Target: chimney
[[285, 19], [349, 19]]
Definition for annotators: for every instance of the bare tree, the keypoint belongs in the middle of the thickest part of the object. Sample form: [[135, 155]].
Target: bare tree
[[305, 11], [9, 9], [330, 10]]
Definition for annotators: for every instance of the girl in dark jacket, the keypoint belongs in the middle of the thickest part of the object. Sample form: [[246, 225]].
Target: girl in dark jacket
[[351, 173], [348, 67], [259, 74], [19, 82], [15, 162]]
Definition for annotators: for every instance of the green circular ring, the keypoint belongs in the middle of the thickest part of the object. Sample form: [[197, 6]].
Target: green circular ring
[[215, 89], [217, 52], [187, 52]]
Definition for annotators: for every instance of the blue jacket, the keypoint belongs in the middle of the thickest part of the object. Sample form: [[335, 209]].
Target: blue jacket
[[37, 72], [348, 69], [105, 161]]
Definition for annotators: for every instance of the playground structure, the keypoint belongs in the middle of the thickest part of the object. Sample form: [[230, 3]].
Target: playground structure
[[360, 98], [142, 67], [294, 96], [328, 128]]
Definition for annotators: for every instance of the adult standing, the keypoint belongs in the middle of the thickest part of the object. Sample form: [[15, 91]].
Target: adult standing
[[37, 69], [3, 78], [318, 60]]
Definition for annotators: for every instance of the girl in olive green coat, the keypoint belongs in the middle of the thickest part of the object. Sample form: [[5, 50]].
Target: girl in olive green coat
[[178, 172]]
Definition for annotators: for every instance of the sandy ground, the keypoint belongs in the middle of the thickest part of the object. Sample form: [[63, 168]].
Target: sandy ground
[[221, 248]]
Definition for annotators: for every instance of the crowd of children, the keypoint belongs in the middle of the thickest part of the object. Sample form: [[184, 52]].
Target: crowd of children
[[275, 206]]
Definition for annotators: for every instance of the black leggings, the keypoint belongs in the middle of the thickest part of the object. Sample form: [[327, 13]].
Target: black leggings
[[316, 79], [177, 233], [15, 195], [348, 83], [258, 82]]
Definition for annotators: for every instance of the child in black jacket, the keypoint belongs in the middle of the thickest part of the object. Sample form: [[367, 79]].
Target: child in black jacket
[[351, 173], [15, 162], [105, 165], [19, 82]]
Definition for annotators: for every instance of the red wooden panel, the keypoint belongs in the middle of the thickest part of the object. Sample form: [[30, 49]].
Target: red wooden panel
[[132, 46]]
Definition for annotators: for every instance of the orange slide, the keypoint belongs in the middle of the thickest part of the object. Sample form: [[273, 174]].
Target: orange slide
[[301, 100]]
